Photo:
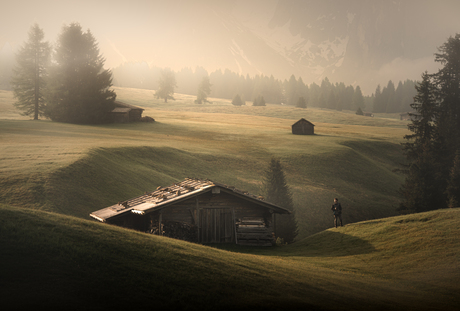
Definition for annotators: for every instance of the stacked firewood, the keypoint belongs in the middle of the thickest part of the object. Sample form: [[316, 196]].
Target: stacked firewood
[[254, 232]]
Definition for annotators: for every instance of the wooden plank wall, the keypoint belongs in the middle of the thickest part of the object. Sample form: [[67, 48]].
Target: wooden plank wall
[[212, 215]]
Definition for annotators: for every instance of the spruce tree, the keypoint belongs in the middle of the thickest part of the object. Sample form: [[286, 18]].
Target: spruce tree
[[433, 147], [277, 192], [79, 86], [453, 186], [30, 73], [423, 118], [166, 85], [237, 100], [204, 89], [358, 98], [259, 101], [301, 103]]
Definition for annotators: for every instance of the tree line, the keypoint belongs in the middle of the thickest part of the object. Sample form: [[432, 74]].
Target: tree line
[[433, 147], [267, 89], [391, 99], [228, 84]]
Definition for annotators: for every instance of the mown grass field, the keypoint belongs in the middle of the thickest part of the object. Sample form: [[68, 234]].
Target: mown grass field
[[52, 175]]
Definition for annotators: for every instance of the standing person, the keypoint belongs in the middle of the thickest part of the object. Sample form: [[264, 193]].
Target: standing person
[[337, 209]]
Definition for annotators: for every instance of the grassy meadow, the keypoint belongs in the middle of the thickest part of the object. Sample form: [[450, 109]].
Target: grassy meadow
[[63, 262], [76, 169], [52, 175]]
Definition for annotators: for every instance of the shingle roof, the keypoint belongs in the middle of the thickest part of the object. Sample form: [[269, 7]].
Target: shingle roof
[[119, 104], [165, 196]]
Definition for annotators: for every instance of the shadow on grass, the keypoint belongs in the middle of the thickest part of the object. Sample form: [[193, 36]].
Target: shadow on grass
[[324, 244]]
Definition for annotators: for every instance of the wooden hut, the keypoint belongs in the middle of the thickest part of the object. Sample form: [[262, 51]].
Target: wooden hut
[[200, 211], [124, 113], [303, 127], [404, 116]]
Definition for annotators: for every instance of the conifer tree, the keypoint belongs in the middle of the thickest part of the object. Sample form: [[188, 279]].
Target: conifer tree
[[204, 89], [423, 117], [79, 89], [237, 100], [277, 192], [433, 148], [453, 186], [166, 84], [358, 98], [259, 101], [29, 76], [301, 103]]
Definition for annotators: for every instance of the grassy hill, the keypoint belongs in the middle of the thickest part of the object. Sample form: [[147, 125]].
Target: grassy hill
[[64, 262], [76, 169], [52, 175]]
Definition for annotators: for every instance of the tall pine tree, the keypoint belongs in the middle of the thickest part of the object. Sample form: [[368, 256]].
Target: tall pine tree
[[166, 84], [79, 89], [432, 148], [29, 76], [277, 192]]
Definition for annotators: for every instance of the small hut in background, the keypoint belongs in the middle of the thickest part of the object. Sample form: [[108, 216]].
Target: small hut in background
[[404, 116], [124, 113], [303, 127]]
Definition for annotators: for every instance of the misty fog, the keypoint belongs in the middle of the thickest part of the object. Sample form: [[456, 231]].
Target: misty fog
[[357, 42]]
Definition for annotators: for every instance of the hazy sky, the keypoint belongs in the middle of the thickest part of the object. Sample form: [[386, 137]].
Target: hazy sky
[[135, 30], [190, 33]]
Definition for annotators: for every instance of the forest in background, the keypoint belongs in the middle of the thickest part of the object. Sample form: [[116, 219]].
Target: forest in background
[[391, 98], [228, 84]]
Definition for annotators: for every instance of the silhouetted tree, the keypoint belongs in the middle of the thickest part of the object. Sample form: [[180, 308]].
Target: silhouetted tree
[[277, 192], [204, 89], [433, 148], [166, 84], [301, 103], [453, 185], [358, 99], [259, 101], [79, 88], [237, 100], [359, 112], [29, 75], [291, 90]]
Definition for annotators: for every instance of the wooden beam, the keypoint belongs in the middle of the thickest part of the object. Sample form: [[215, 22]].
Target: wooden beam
[[160, 232], [198, 222], [234, 225]]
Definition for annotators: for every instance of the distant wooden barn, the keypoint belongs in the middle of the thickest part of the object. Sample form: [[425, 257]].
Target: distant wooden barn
[[200, 211], [303, 127], [124, 113], [404, 116]]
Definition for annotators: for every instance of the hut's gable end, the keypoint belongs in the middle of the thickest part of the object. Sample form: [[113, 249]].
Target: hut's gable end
[[303, 127]]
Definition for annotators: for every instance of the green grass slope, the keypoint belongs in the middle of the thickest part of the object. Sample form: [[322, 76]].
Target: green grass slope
[[76, 169], [60, 262]]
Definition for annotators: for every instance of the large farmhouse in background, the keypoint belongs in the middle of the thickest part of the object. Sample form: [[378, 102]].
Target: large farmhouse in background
[[200, 211], [124, 113], [303, 127]]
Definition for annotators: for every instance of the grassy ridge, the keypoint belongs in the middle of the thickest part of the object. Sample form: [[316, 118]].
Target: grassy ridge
[[399, 263]]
